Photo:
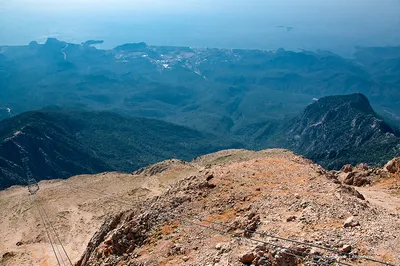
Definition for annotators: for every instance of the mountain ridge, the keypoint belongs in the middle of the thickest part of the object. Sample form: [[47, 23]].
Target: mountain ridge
[[334, 131], [60, 143], [214, 87]]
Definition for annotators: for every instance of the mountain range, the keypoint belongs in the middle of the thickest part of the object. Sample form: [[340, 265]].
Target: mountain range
[[333, 131], [213, 90], [124, 108]]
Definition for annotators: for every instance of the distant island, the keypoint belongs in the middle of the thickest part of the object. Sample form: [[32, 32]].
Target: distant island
[[92, 42], [286, 27]]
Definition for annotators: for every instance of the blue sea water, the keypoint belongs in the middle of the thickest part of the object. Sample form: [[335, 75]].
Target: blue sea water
[[334, 25]]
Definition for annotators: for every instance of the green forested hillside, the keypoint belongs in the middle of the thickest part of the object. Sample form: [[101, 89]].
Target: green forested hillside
[[61, 143], [213, 90]]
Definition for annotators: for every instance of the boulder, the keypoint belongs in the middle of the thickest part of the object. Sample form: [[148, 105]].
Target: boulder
[[291, 218], [393, 166], [361, 179], [351, 222], [314, 252], [357, 178], [345, 249], [8, 255], [209, 177], [247, 258], [352, 191], [362, 166], [348, 179], [347, 168], [286, 257], [381, 173]]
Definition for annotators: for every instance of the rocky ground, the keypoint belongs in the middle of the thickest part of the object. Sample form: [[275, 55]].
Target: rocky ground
[[226, 208], [77, 207], [213, 217]]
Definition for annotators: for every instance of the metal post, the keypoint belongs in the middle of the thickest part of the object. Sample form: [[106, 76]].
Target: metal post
[[33, 186]]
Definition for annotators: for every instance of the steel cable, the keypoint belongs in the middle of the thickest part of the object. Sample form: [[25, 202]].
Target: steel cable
[[47, 231], [58, 238]]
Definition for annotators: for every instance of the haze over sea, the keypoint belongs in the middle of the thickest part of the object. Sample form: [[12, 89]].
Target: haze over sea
[[336, 25]]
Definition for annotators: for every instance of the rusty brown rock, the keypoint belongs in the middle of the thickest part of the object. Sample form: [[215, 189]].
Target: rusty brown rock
[[347, 168], [247, 258]]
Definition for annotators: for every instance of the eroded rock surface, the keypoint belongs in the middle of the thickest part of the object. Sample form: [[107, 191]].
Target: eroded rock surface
[[252, 196]]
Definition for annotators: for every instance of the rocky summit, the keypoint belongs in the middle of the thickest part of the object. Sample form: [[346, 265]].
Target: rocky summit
[[234, 207]]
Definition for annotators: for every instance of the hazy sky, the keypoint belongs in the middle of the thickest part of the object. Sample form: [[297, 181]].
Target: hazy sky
[[326, 24]]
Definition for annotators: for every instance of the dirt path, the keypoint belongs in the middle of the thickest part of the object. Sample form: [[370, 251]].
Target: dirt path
[[381, 198]]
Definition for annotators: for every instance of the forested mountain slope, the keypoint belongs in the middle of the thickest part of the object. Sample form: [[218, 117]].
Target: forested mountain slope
[[62, 143]]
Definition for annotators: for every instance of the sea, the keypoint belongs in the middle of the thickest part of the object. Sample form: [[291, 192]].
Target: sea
[[335, 25]]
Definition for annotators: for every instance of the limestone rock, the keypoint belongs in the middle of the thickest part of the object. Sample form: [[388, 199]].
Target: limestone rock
[[393, 166], [345, 249], [351, 222]]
